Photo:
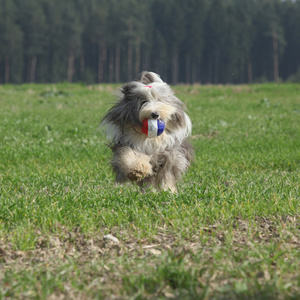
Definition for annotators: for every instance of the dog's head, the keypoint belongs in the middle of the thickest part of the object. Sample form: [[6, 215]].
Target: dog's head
[[148, 97]]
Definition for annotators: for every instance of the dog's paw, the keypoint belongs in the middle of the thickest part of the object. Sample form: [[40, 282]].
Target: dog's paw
[[140, 172], [135, 175]]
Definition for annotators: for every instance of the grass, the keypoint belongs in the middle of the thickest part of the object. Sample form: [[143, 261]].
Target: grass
[[231, 232]]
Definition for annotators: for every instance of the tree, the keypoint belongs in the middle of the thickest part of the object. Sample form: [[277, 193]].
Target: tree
[[193, 43], [291, 22], [215, 41], [171, 24], [215, 38], [270, 39], [72, 33], [32, 20], [95, 33], [11, 39], [239, 39]]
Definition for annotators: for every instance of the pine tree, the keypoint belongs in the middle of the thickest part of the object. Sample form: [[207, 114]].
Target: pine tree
[[95, 34], [32, 20], [171, 24], [291, 20], [72, 34], [215, 41], [11, 39], [270, 39], [193, 43]]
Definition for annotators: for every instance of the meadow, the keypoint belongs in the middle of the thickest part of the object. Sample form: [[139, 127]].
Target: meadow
[[231, 232]]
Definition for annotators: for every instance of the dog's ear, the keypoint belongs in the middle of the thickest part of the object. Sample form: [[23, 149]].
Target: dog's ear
[[133, 90], [148, 77], [178, 119], [128, 87]]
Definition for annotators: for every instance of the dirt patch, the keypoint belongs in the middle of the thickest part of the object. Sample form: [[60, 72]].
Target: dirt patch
[[50, 248], [115, 264], [210, 135], [242, 89]]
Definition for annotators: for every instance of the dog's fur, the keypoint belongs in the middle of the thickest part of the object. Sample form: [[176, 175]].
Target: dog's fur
[[153, 163]]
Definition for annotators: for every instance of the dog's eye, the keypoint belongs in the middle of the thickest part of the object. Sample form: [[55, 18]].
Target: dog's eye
[[143, 102]]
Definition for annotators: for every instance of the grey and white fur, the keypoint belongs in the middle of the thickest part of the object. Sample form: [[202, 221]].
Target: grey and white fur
[[153, 163]]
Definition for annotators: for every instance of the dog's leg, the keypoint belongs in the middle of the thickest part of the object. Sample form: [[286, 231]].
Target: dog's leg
[[147, 185], [171, 165], [132, 164], [168, 183]]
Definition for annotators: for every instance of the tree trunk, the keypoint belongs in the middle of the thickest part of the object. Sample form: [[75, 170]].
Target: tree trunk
[[216, 68], [101, 61], [71, 65], [175, 68], [194, 79], [117, 63], [129, 61], [209, 76], [82, 65], [137, 58], [188, 69], [249, 69], [7, 69], [111, 66], [275, 55], [32, 68], [146, 61]]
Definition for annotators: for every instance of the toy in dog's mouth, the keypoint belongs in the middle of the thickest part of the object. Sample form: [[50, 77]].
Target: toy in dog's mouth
[[153, 128]]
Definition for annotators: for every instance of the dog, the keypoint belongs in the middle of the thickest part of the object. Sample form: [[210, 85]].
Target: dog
[[153, 163]]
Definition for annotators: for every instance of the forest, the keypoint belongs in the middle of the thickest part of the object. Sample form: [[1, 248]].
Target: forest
[[190, 41]]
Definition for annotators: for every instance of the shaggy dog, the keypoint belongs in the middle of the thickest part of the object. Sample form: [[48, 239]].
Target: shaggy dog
[[154, 163]]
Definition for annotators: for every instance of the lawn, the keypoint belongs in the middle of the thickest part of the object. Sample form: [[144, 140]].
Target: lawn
[[231, 232]]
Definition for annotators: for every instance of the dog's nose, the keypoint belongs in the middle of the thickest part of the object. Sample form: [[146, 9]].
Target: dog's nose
[[154, 115]]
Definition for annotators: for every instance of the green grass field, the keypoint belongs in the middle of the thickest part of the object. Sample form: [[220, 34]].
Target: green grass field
[[231, 232]]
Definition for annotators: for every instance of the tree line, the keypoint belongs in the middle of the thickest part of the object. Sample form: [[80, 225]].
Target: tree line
[[186, 41]]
